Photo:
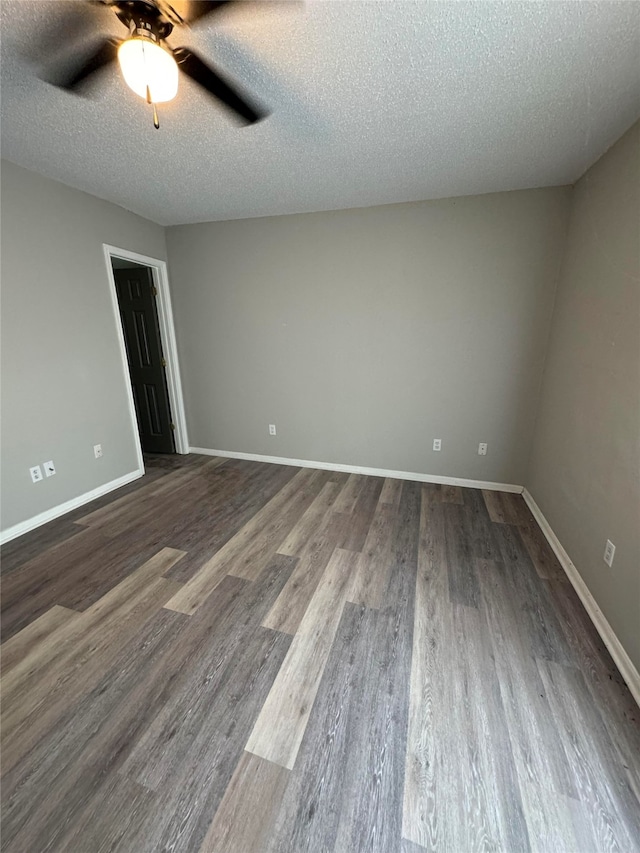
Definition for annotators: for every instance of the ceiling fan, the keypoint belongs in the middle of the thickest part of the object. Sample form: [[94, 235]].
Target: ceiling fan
[[150, 67]]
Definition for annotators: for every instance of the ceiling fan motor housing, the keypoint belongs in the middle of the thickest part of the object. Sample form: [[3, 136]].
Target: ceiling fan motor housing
[[143, 20]]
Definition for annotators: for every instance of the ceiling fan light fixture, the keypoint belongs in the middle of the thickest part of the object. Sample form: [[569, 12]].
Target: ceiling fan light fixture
[[148, 69]]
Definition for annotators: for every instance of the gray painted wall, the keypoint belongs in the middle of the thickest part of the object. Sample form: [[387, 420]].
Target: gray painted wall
[[63, 389], [585, 465], [364, 334]]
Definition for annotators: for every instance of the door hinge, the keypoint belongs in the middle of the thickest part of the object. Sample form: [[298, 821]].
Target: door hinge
[[154, 290], [164, 362], [173, 426]]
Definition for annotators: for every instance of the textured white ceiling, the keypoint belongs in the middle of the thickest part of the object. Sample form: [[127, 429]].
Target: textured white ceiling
[[372, 102]]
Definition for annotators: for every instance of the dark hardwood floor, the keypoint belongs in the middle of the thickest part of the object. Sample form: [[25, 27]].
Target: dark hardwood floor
[[232, 656]]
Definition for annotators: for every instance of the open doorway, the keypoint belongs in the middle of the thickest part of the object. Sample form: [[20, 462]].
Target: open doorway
[[145, 325]]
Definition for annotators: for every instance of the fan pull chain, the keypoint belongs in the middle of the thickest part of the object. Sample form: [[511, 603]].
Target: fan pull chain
[[156, 120]]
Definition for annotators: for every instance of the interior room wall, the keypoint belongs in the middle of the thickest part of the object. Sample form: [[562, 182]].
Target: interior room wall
[[63, 388], [584, 471], [365, 334]]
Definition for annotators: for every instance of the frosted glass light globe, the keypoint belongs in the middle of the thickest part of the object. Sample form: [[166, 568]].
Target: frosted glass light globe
[[145, 64]]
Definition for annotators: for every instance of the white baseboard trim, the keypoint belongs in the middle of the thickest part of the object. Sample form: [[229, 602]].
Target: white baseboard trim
[[56, 511], [609, 638], [357, 469]]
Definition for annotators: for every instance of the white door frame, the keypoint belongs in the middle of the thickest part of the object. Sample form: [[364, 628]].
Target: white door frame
[[167, 336]]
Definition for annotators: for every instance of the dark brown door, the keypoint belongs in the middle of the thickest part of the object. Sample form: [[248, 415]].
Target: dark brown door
[[137, 301]]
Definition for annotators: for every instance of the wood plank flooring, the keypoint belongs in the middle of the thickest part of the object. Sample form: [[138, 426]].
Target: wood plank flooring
[[228, 656]]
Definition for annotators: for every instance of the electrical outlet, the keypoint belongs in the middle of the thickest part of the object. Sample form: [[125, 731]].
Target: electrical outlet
[[97, 450], [609, 552], [437, 444], [36, 473], [482, 449], [49, 468], [272, 429]]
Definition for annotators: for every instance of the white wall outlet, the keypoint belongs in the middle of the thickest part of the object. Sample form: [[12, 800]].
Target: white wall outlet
[[49, 468], [36, 473], [437, 444], [482, 449], [609, 552], [97, 450], [272, 429]]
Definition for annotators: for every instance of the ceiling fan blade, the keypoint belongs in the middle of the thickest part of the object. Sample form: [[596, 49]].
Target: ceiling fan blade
[[210, 80], [73, 23], [199, 8], [74, 74]]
